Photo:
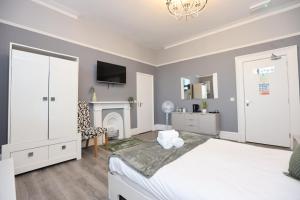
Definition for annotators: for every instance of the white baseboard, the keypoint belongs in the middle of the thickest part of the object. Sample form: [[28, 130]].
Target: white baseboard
[[134, 131], [226, 135], [162, 127]]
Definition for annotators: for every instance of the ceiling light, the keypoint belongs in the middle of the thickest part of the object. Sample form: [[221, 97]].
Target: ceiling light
[[260, 5], [185, 8]]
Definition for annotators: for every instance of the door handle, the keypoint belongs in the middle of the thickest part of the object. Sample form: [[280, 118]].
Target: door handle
[[45, 98], [30, 154], [248, 103], [52, 98]]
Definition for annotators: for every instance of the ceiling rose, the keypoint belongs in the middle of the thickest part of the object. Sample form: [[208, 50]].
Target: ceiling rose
[[185, 8]]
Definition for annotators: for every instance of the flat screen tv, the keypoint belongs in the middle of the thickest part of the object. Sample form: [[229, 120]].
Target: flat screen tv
[[111, 73]]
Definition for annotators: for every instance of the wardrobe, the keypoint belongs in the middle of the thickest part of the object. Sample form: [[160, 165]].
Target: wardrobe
[[42, 117]]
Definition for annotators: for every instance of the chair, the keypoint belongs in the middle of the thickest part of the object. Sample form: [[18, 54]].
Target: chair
[[84, 126]]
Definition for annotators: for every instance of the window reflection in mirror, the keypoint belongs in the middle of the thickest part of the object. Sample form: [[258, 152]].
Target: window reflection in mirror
[[186, 88], [207, 84]]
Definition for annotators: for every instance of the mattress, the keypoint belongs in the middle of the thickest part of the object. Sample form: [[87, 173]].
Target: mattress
[[219, 169]]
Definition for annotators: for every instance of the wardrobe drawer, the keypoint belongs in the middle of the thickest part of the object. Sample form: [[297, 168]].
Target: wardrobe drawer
[[62, 150], [30, 156]]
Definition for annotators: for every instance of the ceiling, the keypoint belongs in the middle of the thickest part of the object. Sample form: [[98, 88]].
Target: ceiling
[[148, 23]]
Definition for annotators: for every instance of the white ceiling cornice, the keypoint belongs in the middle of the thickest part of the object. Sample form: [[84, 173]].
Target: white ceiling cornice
[[155, 62], [73, 41], [233, 25], [231, 49], [57, 9]]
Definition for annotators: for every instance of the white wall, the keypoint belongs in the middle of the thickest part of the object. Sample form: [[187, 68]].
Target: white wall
[[276, 26], [37, 17]]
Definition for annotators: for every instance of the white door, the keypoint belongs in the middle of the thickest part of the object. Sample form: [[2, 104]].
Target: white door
[[145, 105], [266, 101], [63, 97], [28, 97]]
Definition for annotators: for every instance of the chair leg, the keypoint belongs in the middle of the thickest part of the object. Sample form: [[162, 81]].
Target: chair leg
[[87, 143], [96, 146], [106, 141]]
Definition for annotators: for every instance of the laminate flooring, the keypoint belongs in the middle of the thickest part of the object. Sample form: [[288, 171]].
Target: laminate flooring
[[84, 179]]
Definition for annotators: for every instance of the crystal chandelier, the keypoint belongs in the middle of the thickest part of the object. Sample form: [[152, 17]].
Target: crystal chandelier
[[185, 8]]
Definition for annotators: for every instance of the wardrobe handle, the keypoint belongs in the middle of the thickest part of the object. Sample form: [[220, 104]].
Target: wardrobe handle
[[63, 147], [30, 154], [45, 98], [52, 98]]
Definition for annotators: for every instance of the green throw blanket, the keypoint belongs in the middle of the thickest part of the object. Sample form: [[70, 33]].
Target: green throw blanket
[[148, 157], [123, 144]]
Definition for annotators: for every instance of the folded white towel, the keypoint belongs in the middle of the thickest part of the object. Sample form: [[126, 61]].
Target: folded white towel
[[166, 144], [177, 142], [168, 134]]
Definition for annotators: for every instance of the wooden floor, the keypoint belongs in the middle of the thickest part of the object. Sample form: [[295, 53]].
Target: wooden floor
[[85, 179]]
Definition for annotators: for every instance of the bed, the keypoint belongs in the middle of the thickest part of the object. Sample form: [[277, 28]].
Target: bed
[[217, 169]]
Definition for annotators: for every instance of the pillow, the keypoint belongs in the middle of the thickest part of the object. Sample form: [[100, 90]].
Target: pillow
[[294, 168]]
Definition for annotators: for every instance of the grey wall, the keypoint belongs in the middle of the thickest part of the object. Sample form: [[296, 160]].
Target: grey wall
[[87, 69], [167, 78], [168, 81]]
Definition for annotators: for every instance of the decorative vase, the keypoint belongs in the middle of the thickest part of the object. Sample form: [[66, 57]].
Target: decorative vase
[[131, 101], [204, 111], [94, 97]]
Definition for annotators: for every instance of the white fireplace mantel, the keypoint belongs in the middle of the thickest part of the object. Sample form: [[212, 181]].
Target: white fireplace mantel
[[99, 106]]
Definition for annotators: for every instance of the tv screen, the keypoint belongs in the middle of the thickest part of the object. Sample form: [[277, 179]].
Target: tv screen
[[110, 73]]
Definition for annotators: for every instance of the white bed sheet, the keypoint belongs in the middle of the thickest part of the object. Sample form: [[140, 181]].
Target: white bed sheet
[[220, 169]]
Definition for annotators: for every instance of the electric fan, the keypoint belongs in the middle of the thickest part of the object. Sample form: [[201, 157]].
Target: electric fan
[[167, 107]]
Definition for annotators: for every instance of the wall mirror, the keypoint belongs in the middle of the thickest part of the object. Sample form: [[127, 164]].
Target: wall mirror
[[200, 87]]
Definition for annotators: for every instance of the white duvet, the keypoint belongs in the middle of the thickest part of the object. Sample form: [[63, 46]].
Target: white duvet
[[220, 169]]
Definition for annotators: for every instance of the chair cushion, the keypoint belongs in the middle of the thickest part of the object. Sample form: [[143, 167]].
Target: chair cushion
[[84, 121], [92, 132]]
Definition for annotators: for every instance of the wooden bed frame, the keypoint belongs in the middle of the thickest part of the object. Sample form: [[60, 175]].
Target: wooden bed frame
[[121, 188]]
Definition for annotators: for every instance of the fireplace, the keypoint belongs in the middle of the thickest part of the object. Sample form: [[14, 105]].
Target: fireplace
[[114, 119], [114, 124]]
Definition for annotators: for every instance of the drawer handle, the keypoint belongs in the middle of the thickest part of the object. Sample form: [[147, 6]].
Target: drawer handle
[[30, 154], [63, 147]]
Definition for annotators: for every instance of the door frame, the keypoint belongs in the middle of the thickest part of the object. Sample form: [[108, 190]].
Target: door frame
[[137, 94], [291, 53]]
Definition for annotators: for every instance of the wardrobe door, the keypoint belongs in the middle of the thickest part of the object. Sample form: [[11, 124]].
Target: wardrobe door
[[63, 97], [28, 97]]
